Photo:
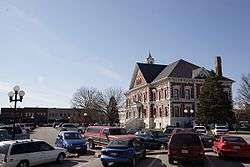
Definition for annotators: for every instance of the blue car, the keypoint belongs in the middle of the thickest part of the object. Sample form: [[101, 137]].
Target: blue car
[[126, 151], [72, 141]]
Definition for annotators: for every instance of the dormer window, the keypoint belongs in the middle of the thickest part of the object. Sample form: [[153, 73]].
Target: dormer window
[[138, 81]]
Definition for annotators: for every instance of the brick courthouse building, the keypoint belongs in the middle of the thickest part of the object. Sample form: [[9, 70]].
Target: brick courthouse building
[[159, 94]]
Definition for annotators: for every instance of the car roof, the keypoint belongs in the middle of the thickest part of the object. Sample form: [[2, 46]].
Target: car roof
[[19, 141], [105, 127], [63, 132]]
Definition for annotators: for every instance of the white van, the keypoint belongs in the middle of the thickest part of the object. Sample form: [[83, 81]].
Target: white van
[[25, 153]]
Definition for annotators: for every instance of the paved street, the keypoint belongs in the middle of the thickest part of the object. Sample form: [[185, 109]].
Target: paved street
[[154, 158]]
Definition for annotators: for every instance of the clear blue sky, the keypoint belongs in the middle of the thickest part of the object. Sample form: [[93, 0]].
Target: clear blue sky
[[51, 48]]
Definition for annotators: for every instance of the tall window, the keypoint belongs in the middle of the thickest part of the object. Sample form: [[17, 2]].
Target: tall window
[[176, 94], [187, 94], [166, 111], [160, 112], [176, 111]]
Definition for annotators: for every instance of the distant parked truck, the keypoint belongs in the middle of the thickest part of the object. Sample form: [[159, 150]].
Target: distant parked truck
[[101, 135]]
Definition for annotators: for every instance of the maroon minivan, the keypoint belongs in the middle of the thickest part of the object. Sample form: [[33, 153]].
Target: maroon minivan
[[185, 146]]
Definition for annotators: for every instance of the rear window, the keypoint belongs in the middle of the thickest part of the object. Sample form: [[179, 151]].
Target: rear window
[[117, 131], [72, 136], [69, 126], [120, 143], [234, 139], [185, 140], [4, 148], [93, 130]]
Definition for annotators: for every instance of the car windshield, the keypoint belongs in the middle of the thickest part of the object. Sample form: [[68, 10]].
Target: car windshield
[[4, 148], [72, 136], [169, 130], [117, 131], [199, 128], [119, 143], [185, 140], [221, 127], [158, 134], [69, 126], [234, 139]]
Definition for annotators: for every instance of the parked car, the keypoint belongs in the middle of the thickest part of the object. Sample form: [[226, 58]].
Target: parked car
[[231, 146], [207, 140], [132, 131], [19, 133], [102, 135], [4, 135], [72, 141], [220, 130], [185, 146], [23, 153], [124, 150], [81, 129], [68, 127], [152, 139], [201, 130]]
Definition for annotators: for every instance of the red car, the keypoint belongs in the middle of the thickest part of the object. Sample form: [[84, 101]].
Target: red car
[[231, 146], [102, 135], [185, 146]]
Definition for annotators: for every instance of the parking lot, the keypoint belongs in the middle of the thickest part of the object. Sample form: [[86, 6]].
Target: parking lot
[[157, 158]]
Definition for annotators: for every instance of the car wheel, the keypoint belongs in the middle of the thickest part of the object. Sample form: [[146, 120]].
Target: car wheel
[[60, 158], [23, 164], [170, 160], [144, 154], [105, 164], [133, 162], [91, 144], [220, 155]]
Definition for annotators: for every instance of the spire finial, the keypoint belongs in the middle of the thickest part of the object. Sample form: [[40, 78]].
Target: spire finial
[[150, 59]]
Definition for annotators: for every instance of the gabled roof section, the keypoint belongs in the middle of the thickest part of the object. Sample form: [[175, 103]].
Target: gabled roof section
[[179, 69], [149, 72]]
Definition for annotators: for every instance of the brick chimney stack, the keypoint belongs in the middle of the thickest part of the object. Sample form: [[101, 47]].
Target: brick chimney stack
[[218, 67]]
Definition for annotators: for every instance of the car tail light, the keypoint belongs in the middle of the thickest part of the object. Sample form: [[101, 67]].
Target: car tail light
[[172, 149]]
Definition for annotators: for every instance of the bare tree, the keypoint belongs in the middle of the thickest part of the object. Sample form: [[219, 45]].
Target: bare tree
[[117, 93], [244, 91], [96, 101]]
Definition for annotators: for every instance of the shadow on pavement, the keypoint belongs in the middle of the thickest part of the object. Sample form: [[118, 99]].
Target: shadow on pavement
[[66, 163], [149, 161], [235, 162]]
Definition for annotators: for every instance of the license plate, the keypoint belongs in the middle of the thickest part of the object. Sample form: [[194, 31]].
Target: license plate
[[236, 147], [209, 141], [184, 151], [78, 148]]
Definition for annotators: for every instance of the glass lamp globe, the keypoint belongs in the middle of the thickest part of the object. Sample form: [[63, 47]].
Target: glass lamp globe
[[185, 111], [85, 114], [191, 111], [21, 93], [16, 88], [11, 94]]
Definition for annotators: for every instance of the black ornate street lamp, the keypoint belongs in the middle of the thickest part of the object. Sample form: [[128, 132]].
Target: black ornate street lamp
[[15, 94], [191, 111]]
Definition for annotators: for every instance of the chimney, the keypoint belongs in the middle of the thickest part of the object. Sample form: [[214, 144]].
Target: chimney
[[218, 67]]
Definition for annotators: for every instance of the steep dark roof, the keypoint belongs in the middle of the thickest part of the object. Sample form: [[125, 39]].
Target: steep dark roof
[[179, 69], [150, 71]]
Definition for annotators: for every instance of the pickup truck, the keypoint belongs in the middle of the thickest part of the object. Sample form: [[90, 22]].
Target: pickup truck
[[102, 135]]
